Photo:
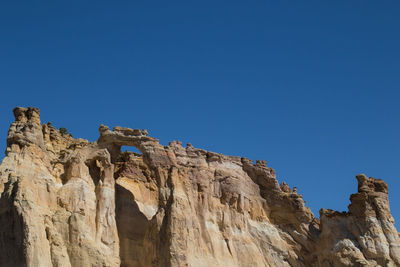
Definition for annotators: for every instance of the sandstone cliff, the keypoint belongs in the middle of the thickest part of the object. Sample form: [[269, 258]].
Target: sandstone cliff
[[70, 202]]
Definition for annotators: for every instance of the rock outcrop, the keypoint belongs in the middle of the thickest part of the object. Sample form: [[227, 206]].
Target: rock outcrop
[[70, 202]]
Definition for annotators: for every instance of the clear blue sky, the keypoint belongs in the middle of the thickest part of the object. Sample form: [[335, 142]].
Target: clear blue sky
[[310, 86]]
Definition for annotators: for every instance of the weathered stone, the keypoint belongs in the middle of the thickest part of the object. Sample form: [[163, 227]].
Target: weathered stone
[[70, 202]]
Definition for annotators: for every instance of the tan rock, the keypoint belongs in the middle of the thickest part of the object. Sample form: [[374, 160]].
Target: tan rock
[[69, 202]]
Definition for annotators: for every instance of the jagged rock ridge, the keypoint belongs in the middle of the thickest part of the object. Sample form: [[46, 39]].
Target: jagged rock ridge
[[70, 202]]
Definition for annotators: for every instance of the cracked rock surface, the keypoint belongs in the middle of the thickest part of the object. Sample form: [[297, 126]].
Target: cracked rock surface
[[71, 202]]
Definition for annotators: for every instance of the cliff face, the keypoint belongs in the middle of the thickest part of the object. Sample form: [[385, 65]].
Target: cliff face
[[69, 202]]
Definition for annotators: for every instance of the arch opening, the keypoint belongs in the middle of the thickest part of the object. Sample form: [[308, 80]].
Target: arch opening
[[132, 149]]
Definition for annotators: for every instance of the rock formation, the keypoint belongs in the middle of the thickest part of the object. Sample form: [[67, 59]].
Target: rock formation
[[70, 202]]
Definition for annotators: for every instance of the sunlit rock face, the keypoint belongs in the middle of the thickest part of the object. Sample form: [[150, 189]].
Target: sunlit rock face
[[70, 202]]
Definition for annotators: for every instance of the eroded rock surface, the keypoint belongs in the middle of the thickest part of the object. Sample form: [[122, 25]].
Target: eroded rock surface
[[70, 202]]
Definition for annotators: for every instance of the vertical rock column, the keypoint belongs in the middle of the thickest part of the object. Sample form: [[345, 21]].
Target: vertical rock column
[[28, 195], [365, 235]]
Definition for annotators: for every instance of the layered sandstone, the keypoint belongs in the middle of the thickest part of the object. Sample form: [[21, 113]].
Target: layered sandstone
[[70, 202]]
